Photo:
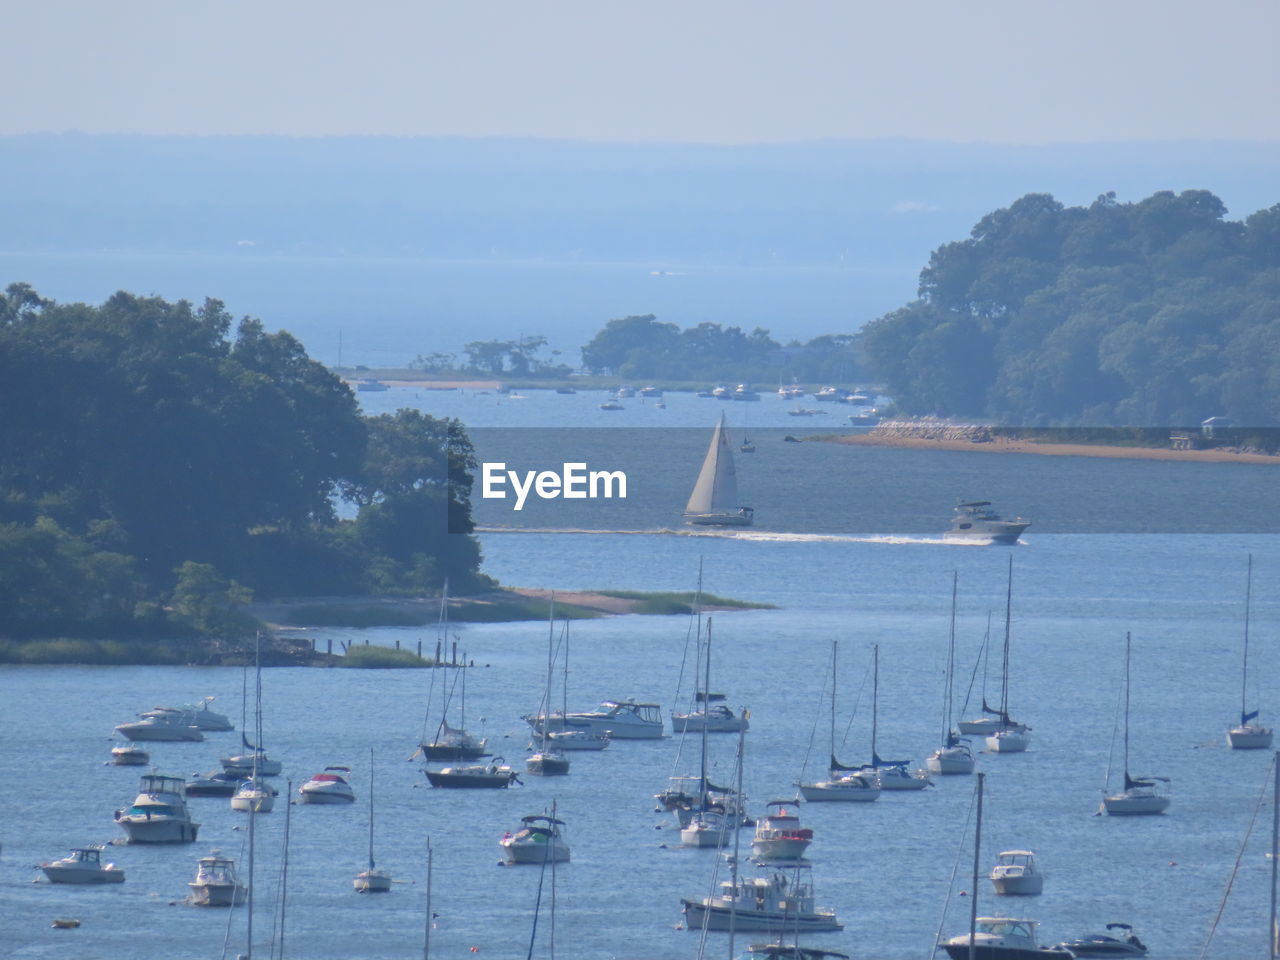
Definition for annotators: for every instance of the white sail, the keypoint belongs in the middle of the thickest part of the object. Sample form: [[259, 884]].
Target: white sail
[[716, 491]]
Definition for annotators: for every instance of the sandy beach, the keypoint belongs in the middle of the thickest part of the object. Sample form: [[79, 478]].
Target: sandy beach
[[1003, 445]]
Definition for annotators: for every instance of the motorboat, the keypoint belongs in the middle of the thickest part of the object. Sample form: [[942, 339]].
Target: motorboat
[[708, 828], [216, 883], [781, 902], [779, 835], [577, 740], [624, 391], [804, 412], [540, 839], [975, 520], [127, 755], [722, 392], [896, 776], [616, 719], [495, 775], [215, 783], [371, 880], [714, 717], [243, 765], [787, 951], [864, 418], [371, 386], [254, 796], [327, 787], [84, 866], [1141, 795], [1015, 874], [714, 500], [1010, 740], [650, 392], [848, 788], [168, 728], [1002, 938], [197, 714], [743, 391], [1248, 735], [828, 394], [612, 405], [159, 813], [1118, 941]]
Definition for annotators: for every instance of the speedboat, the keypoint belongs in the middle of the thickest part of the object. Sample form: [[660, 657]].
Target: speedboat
[[722, 392], [779, 835], [197, 714], [779, 903], [624, 391], [245, 765], [743, 391], [216, 883], [975, 520], [617, 719], [577, 740], [159, 813], [254, 796], [327, 787], [650, 392], [495, 775], [168, 727], [714, 718], [1002, 938], [1015, 874], [83, 866], [215, 783], [127, 755], [783, 951], [851, 787], [540, 839], [1124, 943]]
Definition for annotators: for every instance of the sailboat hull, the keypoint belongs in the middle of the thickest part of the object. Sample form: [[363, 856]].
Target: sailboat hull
[[1249, 737], [1131, 803], [719, 520], [547, 765], [442, 752], [838, 790], [372, 881], [950, 761], [1008, 741]]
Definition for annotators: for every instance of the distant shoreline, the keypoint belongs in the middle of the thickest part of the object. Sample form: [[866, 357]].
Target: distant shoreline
[[1006, 445]]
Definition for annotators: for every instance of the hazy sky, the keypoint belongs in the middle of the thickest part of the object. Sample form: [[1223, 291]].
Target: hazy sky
[[721, 71]]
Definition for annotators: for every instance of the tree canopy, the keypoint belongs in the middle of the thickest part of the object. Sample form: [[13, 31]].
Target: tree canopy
[[1148, 313], [156, 470]]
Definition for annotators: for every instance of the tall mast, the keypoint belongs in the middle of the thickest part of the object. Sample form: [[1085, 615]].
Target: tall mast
[[949, 695], [254, 805], [706, 692], [1127, 644], [371, 808], [875, 699], [1008, 622], [426, 937], [977, 860], [733, 914], [284, 867], [1244, 673], [834, 645], [551, 639], [1273, 933]]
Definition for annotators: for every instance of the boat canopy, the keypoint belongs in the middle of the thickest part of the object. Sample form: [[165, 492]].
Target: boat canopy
[[159, 783]]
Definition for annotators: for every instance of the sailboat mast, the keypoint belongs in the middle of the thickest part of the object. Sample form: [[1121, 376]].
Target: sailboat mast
[[1008, 624], [426, 936], [702, 768], [834, 647], [949, 696], [284, 867], [1127, 644], [875, 699], [977, 866], [1244, 673], [551, 639], [733, 914], [371, 808]]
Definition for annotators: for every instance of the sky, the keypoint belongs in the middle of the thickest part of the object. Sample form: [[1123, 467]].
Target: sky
[[704, 71]]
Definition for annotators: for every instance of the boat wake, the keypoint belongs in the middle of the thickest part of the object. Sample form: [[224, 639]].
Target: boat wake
[[758, 536]]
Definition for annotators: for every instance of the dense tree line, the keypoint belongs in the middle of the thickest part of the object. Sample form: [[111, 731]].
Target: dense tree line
[[156, 471], [1148, 313], [642, 348]]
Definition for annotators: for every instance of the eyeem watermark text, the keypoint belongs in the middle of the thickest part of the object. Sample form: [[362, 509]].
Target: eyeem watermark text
[[573, 482]]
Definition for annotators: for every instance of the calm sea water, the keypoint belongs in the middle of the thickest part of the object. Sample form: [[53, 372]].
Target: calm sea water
[[885, 867]]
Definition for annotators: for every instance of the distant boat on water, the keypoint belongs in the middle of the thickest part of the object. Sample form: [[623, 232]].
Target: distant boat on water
[[714, 501]]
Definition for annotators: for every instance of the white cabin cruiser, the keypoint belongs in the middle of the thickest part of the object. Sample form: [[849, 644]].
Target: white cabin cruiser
[[1002, 938], [327, 787], [617, 719], [159, 813], [197, 714], [84, 865], [577, 740], [215, 783], [539, 840], [779, 835], [127, 755], [713, 717], [216, 883], [777, 903], [1016, 874], [167, 728], [975, 520]]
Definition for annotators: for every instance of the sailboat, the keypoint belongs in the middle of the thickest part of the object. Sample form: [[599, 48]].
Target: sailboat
[[254, 762], [889, 774], [709, 711], [714, 501], [573, 739], [372, 880], [954, 756], [711, 822], [452, 743], [1140, 796], [842, 783], [255, 795], [1248, 735], [549, 760], [1010, 737]]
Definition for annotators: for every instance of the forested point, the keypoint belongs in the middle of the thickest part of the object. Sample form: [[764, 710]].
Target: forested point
[[1160, 312], [158, 473]]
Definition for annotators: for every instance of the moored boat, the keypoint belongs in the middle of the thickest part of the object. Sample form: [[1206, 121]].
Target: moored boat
[[216, 883], [1248, 734], [1118, 941], [215, 783], [539, 840], [616, 719], [1141, 795], [127, 755], [1002, 938], [196, 714], [1016, 874], [781, 902], [779, 835], [327, 787], [83, 866], [495, 775], [159, 813], [165, 728]]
